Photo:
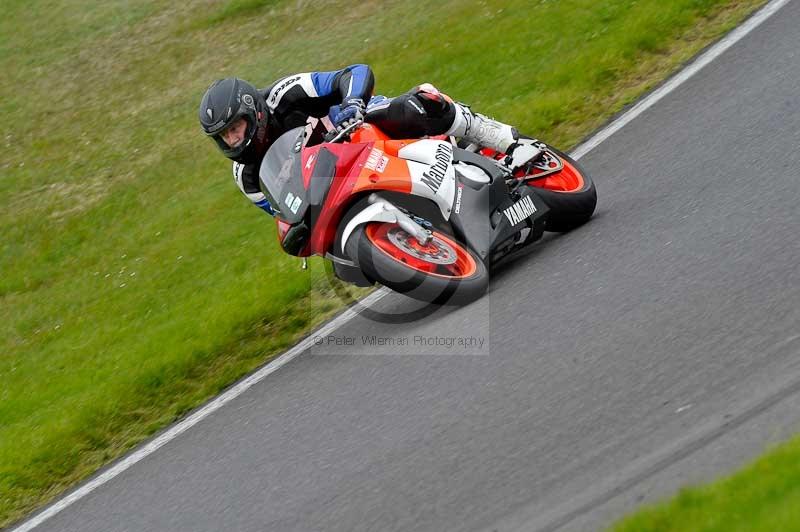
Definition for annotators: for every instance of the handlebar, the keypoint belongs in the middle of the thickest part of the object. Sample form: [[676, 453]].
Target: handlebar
[[339, 135]]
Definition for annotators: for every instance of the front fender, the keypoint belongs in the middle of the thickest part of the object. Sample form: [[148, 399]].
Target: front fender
[[374, 213], [383, 211]]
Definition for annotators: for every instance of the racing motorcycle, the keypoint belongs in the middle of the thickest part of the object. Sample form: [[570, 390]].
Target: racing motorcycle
[[425, 217]]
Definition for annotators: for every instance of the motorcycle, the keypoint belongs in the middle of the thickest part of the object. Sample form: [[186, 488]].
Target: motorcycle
[[425, 217]]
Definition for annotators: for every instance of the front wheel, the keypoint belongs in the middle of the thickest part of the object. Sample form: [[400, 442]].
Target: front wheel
[[444, 271]]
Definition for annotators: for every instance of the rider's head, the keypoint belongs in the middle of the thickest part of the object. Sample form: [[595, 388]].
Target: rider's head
[[234, 114]]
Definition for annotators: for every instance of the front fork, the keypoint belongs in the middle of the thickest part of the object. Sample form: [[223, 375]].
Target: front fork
[[381, 210]]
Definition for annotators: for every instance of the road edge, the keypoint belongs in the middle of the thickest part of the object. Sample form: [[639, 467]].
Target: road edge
[[237, 389]]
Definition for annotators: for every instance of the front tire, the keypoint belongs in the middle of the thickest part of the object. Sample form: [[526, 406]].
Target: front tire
[[443, 272]]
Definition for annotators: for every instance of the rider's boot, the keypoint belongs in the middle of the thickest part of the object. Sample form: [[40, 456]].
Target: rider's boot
[[483, 131]]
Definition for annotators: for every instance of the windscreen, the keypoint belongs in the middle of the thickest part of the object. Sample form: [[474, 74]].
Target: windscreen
[[282, 177]]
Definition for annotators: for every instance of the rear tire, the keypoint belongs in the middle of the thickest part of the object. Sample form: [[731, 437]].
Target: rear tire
[[445, 272], [568, 208]]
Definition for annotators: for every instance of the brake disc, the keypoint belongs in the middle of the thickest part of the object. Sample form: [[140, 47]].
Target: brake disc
[[436, 252]]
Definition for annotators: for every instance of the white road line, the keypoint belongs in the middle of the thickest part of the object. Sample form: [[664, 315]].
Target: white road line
[[689, 71], [187, 423], [242, 386]]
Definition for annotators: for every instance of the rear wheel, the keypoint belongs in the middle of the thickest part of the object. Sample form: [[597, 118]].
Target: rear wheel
[[444, 271], [570, 193]]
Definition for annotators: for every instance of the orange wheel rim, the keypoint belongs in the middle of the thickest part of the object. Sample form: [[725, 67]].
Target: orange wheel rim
[[442, 257], [569, 179]]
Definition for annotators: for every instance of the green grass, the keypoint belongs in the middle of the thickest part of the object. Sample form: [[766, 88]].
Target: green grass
[[135, 280], [763, 496], [234, 9]]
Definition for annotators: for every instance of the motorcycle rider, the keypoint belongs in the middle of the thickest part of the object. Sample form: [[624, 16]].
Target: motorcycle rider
[[244, 121]]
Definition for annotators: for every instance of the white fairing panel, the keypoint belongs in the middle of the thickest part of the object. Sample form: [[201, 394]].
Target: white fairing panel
[[430, 163]]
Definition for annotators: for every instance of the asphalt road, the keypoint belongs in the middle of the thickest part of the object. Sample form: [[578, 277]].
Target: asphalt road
[[656, 346]]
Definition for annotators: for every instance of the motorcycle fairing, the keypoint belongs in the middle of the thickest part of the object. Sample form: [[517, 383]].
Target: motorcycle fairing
[[430, 165], [299, 182], [478, 203], [314, 187]]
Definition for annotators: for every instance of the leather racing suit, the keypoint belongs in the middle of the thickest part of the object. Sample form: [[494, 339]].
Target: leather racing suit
[[292, 99]]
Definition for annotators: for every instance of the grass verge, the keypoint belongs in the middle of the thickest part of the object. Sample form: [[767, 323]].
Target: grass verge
[[136, 281], [763, 496]]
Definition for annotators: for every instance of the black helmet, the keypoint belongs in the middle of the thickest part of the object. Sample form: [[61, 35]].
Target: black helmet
[[227, 100]]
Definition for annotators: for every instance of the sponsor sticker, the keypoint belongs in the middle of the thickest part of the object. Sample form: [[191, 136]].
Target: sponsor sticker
[[295, 205], [310, 161], [276, 91], [436, 173], [376, 161], [293, 202], [520, 210], [416, 106]]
